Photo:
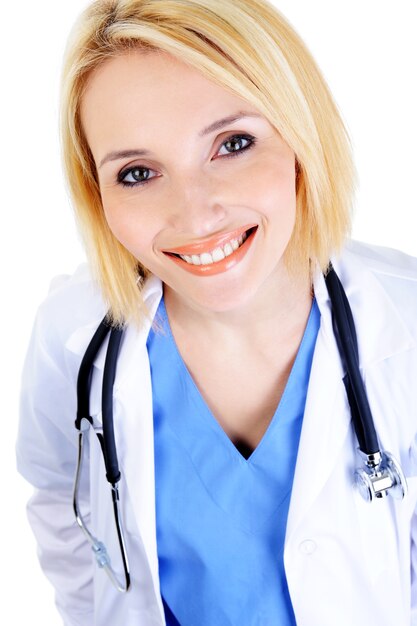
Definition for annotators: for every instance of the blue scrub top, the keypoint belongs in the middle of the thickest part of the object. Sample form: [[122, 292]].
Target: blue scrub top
[[221, 517]]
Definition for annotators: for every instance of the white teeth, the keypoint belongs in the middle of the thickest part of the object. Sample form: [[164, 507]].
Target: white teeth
[[215, 255], [206, 258], [228, 249]]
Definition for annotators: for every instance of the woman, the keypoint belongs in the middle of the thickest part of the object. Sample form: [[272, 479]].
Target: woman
[[231, 404]]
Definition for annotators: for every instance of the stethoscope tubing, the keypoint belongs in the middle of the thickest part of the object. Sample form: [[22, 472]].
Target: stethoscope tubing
[[109, 374], [106, 440], [84, 381], [380, 474], [86, 370], [345, 334], [346, 339]]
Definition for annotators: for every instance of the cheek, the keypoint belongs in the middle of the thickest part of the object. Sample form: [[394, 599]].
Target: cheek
[[131, 228], [124, 229], [272, 189], [119, 224]]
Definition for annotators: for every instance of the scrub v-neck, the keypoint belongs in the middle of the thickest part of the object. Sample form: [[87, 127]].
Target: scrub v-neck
[[221, 518]]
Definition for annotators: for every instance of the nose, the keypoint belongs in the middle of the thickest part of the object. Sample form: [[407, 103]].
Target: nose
[[197, 208]]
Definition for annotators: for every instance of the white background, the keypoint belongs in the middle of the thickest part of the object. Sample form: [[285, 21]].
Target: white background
[[367, 50]]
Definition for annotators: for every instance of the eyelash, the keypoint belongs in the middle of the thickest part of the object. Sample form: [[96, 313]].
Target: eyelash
[[252, 141]]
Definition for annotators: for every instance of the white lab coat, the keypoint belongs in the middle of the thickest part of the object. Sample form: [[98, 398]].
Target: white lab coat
[[347, 562]]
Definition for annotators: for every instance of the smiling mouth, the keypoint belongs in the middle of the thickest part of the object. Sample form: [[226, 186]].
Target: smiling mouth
[[217, 254], [218, 259]]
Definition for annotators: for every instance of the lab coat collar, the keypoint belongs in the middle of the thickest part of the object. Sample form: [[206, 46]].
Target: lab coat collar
[[78, 341], [378, 313], [381, 331]]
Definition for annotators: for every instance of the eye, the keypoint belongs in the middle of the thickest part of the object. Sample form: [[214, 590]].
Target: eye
[[133, 176], [236, 140], [139, 174]]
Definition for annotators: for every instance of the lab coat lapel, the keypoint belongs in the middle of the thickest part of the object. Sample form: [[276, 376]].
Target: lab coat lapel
[[325, 426], [133, 423], [326, 429], [134, 430]]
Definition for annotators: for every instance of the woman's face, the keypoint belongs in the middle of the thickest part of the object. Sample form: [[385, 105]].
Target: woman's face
[[169, 181]]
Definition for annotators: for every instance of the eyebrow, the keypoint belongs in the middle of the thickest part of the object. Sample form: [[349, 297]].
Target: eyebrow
[[224, 121]]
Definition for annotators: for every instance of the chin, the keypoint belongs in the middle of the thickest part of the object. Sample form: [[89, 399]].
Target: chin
[[224, 300], [220, 293]]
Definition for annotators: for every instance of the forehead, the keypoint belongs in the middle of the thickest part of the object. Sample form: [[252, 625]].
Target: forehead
[[153, 88]]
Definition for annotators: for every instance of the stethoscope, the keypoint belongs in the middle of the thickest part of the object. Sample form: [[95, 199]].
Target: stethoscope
[[379, 475]]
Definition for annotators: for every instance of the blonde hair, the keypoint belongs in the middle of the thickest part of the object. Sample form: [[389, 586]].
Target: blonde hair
[[246, 46]]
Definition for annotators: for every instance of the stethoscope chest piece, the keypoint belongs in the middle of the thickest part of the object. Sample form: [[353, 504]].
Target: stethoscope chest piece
[[380, 475]]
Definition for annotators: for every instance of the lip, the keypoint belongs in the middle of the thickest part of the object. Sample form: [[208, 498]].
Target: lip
[[217, 267], [208, 245]]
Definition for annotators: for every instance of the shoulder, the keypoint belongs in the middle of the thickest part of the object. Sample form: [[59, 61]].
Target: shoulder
[[382, 260], [383, 286], [73, 300], [383, 270], [74, 306]]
